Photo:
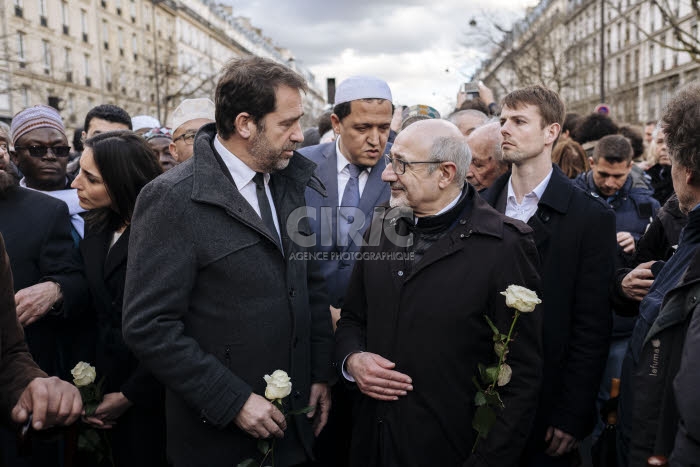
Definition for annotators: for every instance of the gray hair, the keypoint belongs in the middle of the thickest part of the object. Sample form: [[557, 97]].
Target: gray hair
[[454, 117], [451, 149]]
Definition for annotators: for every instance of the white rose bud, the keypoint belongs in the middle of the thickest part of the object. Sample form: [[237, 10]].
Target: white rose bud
[[279, 385], [521, 298], [504, 374], [83, 374]]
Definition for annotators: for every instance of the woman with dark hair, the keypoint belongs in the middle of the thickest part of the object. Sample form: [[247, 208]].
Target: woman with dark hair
[[114, 167]]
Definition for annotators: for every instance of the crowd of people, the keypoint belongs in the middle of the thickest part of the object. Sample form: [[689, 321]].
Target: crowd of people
[[365, 258]]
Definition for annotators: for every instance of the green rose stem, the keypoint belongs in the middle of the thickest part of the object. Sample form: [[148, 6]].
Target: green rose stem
[[501, 359]]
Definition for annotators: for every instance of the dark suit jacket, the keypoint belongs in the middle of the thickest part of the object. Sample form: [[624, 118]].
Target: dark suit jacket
[[211, 305], [576, 240], [37, 233], [337, 270]]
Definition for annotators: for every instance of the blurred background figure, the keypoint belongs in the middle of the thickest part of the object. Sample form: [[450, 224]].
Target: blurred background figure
[[159, 140], [140, 124], [570, 157], [418, 112], [468, 120], [660, 170], [187, 119]]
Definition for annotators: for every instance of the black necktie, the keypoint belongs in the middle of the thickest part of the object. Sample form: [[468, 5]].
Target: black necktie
[[264, 205]]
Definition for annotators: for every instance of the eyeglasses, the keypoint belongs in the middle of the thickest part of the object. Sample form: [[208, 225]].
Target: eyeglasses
[[40, 151], [187, 137], [399, 166]]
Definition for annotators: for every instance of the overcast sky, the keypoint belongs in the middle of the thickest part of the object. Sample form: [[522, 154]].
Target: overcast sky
[[418, 46]]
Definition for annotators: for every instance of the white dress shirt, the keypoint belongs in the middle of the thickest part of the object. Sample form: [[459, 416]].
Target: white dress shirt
[[524, 211], [344, 173], [243, 178]]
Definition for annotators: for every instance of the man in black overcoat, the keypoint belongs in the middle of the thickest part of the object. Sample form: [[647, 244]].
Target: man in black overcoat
[[575, 236], [217, 292], [412, 331]]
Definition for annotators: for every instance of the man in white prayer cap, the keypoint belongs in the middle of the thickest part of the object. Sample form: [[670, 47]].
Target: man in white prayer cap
[[190, 116]]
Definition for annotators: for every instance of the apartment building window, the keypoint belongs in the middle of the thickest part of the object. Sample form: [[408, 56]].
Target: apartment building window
[[636, 65], [652, 57], [628, 69], [65, 17], [638, 24], [19, 10], [71, 104], [118, 6], [46, 54], [86, 70], [25, 96], [42, 13], [84, 25], [20, 49], [135, 46], [132, 10], [120, 41], [618, 69], [105, 34], [619, 36], [108, 76], [652, 15], [67, 65]]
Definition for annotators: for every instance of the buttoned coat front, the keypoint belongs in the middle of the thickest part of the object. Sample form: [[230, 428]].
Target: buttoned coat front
[[211, 305]]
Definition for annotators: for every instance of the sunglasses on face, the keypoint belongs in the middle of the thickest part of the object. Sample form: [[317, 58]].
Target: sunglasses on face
[[40, 151]]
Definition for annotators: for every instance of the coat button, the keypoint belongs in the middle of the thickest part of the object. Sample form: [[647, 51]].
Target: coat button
[[292, 293], [297, 394], [462, 221], [693, 299], [400, 273]]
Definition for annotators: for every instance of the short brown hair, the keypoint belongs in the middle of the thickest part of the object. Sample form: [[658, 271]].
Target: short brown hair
[[613, 148], [249, 85], [681, 125], [570, 157], [548, 103]]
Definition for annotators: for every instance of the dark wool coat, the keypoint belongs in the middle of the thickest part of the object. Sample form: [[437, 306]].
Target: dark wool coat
[[211, 305], [575, 237], [655, 414], [37, 233], [138, 438], [430, 322], [16, 366]]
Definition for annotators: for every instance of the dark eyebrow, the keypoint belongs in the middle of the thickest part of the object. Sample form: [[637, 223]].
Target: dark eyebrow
[[91, 174], [292, 119]]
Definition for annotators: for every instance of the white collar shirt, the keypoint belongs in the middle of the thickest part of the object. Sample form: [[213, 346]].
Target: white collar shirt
[[523, 211], [344, 172], [243, 179]]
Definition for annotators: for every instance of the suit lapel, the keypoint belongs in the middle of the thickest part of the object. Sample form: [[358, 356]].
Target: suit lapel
[[373, 190], [213, 185], [116, 256]]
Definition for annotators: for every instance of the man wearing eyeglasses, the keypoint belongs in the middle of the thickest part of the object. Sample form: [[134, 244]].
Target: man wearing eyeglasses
[[188, 118], [412, 329]]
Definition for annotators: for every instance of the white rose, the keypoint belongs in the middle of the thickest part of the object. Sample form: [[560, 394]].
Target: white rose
[[83, 374], [521, 298], [504, 374], [279, 385]]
